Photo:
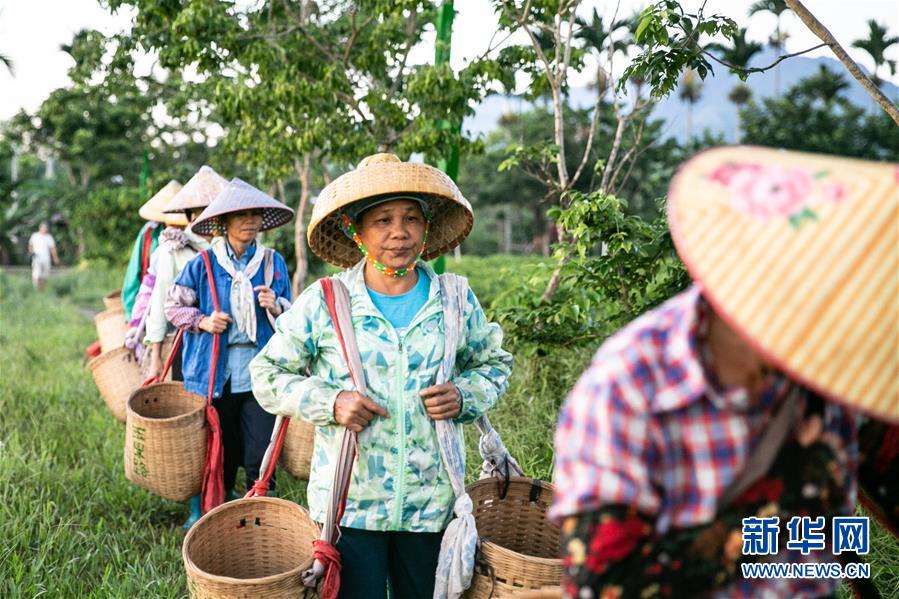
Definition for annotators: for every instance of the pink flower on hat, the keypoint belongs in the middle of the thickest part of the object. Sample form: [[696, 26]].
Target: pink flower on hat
[[768, 192]]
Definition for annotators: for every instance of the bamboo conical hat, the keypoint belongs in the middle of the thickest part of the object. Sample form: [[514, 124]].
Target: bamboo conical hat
[[799, 253], [199, 191], [384, 175], [154, 208], [236, 197]]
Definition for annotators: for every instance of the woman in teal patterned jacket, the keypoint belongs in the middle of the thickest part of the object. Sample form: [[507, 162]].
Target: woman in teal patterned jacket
[[383, 218]]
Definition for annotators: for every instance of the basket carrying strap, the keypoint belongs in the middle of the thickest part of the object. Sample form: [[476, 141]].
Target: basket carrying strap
[[168, 361], [327, 560], [279, 430], [458, 548], [213, 493], [146, 244]]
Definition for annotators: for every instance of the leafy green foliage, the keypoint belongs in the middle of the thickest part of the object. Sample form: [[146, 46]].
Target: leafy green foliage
[[108, 216], [813, 116], [619, 265], [671, 41]]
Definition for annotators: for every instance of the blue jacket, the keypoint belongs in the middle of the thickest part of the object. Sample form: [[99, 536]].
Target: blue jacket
[[197, 351]]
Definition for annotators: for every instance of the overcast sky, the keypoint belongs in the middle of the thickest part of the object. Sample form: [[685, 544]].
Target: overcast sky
[[31, 32]]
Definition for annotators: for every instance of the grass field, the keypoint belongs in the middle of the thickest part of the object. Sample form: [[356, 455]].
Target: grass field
[[72, 526]]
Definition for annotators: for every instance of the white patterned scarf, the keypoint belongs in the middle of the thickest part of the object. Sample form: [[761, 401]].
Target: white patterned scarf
[[243, 302]]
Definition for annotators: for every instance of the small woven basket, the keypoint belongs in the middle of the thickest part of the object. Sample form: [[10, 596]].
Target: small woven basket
[[296, 454], [111, 329], [249, 548], [113, 301], [165, 440], [116, 374], [519, 548]]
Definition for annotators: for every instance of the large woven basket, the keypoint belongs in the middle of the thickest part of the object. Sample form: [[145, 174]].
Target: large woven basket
[[113, 301], [116, 374], [165, 440], [296, 454], [249, 548], [111, 329], [519, 547]]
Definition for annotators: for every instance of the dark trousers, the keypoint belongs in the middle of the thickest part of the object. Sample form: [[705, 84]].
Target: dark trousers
[[246, 431], [176, 365], [406, 562]]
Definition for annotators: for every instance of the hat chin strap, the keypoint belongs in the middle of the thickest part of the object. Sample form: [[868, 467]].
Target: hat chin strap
[[379, 266]]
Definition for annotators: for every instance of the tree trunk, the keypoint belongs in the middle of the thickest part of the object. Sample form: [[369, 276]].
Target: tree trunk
[[816, 27], [507, 230], [299, 228]]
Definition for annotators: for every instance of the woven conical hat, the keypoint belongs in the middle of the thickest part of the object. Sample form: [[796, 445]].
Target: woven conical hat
[[199, 191], [154, 208], [237, 196], [799, 253], [385, 174]]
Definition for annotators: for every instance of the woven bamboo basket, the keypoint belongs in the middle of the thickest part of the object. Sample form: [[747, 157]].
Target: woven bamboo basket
[[111, 329], [547, 593], [113, 301], [249, 548], [165, 440], [296, 454], [116, 374], [519, 547]]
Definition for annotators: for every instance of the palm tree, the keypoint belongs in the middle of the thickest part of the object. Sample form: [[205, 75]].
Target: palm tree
[[876, 46], [825, 86], [690, 92], [738, 54], [7, 62], [777, 41]]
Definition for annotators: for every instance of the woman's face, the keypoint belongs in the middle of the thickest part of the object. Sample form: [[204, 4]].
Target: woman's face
[[393, 232], [243, 226]]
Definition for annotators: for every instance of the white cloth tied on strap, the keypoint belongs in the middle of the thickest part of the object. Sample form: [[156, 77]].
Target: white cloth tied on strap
[[497, 459], [243, 302], [455, 566]]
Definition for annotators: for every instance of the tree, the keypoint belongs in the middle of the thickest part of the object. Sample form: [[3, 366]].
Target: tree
[[818, 28], [777, 41], [690, 91], [299, 84], [813, 116], [738, 53], [876, 45]]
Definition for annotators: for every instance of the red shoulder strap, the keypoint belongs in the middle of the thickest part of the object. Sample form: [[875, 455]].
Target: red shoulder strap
[[211, 280], [145, 251], [328, 289]]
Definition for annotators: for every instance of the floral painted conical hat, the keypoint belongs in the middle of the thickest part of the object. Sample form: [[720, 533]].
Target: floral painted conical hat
[[799, 253]]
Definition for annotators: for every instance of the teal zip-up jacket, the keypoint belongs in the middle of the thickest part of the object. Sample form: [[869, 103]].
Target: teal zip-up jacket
[[132, 280], [399, 482]]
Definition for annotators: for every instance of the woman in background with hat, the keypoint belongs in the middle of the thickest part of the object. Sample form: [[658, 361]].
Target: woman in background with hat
[[144, 245], [239, 269], [736, 398], [383, 220], [178, 245]]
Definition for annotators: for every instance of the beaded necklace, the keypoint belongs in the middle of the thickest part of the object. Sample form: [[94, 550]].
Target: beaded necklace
[[386, 270]]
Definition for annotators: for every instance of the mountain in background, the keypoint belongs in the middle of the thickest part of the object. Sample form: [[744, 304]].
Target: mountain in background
[[713, 111]]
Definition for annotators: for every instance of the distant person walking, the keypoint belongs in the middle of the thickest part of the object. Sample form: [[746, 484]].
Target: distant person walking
[[42, 248]]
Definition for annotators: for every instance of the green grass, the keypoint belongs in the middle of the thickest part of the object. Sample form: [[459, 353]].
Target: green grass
[[72, 526]]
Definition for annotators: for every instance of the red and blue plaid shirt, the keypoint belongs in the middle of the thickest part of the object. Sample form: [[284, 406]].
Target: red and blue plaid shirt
[[647, 428]]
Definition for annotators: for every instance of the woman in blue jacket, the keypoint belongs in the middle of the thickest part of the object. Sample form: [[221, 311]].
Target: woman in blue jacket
[[253, 288]]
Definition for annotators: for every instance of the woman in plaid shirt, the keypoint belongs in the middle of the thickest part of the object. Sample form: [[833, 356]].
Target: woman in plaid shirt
[[657, 432]]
